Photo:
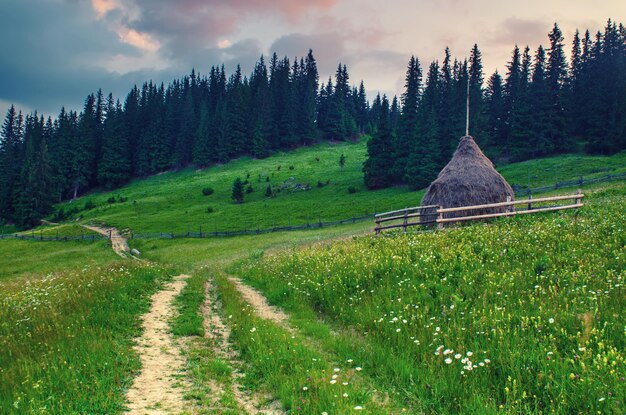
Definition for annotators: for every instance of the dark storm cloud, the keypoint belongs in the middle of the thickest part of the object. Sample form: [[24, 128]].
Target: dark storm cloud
[[50, 49]]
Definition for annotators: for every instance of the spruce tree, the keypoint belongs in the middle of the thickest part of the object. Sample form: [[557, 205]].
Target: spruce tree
[[408, 123], [237, 192], [424, 156], [11, 159], [377, 167], [32, 198], [114, 169], [556, 74]]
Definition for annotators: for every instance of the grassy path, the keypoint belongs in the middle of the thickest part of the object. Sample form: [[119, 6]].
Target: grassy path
[[159, 387]]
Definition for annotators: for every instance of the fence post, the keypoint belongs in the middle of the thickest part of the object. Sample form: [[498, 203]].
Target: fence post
[[200, 231], [530, 203], [578, 197], [377, 229], [509, 207], [406, 220], [439, 217], [110, 234]]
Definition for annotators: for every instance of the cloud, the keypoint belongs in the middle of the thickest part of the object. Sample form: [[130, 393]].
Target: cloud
[[53, 65], [328, 48], [519, 31]]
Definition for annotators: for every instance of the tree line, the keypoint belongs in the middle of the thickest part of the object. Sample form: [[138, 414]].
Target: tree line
[[545, 104], [196, 120]]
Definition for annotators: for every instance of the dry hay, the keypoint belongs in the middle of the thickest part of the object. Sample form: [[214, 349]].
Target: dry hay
[[468, 179]]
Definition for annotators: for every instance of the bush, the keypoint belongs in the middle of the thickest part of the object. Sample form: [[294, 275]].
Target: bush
[[291, 167], [210, 210], [89, 205], [122, 199], [351, 189], [320, 184], [207, 191], [237, 193], [268, 191], [249, 189], [111, 200]]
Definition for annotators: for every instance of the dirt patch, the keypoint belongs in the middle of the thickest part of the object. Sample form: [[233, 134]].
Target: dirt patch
[[159, 387], [216, 330], [260, 304], [118, 242]]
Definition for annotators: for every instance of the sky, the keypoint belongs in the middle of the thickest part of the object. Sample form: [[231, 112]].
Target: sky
[[56, 52]]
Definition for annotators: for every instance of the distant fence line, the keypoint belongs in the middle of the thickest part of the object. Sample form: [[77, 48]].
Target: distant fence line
[[518, 189], [200, 234]]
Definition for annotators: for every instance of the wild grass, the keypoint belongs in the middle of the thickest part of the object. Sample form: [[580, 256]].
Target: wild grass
[[174, 202], [66, 337], [515, 316], [33, 259], [304, 379]]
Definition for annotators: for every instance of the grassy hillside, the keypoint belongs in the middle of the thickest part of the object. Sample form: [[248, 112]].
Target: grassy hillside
[[523, 315], [173, 202]]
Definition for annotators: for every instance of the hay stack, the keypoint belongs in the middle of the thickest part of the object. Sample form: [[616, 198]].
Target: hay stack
[[468, 179]]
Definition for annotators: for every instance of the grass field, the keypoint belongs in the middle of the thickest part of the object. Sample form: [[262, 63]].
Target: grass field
[[68, 314], [517, 316], [173, 202], [35, 258], [531, 306]]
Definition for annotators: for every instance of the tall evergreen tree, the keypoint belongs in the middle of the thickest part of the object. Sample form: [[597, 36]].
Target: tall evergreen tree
[[114, 168], [556, 74], [425, 154], [11, 160], [377, 167], [32, 198], [408, 123]]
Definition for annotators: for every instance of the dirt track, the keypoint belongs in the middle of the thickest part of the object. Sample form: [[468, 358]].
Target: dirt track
[[159, 387], [118, 242]]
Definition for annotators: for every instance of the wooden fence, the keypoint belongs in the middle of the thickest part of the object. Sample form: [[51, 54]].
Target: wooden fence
[[436, 214]]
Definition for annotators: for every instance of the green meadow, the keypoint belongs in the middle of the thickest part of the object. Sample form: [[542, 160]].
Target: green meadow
[[522, 315], [174, 202]]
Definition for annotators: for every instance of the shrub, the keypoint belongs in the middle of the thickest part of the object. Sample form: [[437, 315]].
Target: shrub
[[320, 184], [89, 205], [268, 191], [237, 193], [122, 199], [207, 191], [111, 200], [249, 189], [291, 167], [210, 210], [351, 189]]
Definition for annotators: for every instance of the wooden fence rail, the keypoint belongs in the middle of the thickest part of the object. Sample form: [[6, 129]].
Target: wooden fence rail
[[437, 212]]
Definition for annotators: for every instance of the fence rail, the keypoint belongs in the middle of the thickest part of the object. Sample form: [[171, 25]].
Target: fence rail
[[441, 213]]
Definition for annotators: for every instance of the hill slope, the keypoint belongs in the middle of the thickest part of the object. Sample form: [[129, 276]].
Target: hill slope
[[172, 202]]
